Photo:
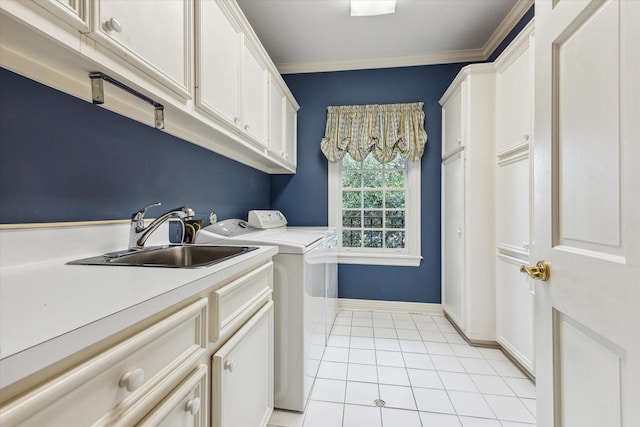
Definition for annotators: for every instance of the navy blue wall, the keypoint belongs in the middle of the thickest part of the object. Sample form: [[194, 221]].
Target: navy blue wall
[[64, 159], [303, 197]]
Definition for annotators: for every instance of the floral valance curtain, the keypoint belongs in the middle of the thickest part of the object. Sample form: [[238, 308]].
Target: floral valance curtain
[[382, 130]]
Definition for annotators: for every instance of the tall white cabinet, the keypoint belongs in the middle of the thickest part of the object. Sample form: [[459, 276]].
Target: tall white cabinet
[[487, 122], [468, 228], [514, 125]]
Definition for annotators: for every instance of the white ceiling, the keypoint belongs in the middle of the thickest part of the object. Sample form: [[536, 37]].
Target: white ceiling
[[320, 35]]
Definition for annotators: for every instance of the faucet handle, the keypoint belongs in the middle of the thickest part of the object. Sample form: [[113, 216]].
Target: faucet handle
[[139, 215]]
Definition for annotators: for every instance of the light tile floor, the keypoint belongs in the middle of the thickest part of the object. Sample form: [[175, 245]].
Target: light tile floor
[[422, 369]]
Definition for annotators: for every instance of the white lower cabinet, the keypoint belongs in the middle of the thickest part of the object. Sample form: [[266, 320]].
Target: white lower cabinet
[[185, 406], [121, 385], [515, 307], [453, 239], [161, 376], [242, 380]]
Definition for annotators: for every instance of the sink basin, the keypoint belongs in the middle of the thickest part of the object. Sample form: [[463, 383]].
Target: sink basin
[[177, 256]]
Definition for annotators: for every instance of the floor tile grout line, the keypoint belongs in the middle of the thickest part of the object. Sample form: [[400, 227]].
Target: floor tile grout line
[[466, 371]]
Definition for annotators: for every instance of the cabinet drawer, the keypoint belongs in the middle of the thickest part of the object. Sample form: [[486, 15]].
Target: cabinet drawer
[[185, 406], [103, 389], [235, 302]]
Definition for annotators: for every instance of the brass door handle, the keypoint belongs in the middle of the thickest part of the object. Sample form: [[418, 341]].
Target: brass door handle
[[541, 271]]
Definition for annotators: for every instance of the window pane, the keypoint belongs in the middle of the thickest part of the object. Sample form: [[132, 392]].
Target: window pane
[[351, 199], [351, 219], [349, 163], [372, 199], [351, 239], [393, 200], [373, 219], [373, 239], [394, 239], [395, 179], [372, 179], [351, 179], [371, 163], [397, 163], [394, 219]]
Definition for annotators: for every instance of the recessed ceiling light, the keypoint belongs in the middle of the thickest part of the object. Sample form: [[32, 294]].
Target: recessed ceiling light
[[372, 7]]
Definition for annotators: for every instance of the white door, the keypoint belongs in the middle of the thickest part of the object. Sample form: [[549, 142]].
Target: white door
[[587, 212]]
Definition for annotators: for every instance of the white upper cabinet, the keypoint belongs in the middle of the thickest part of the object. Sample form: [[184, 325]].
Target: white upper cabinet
[[514, 106], [291, 132], [217, 62], [153, 35], [452, 122], [282, 124], [73, 12], [254, 95], [231, 77]]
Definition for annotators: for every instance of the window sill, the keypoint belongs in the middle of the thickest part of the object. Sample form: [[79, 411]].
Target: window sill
[[406, 260]]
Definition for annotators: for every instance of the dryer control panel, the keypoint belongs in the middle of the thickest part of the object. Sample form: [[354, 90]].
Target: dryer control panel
[[267, 219]]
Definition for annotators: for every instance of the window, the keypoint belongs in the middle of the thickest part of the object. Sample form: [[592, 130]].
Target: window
[[374, 154], [376, 209]]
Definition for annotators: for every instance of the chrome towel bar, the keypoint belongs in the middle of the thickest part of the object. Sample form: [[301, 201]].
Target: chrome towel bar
[[97, 93]]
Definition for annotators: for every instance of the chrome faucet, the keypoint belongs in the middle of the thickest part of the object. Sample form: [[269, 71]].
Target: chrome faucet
[[139, 233]]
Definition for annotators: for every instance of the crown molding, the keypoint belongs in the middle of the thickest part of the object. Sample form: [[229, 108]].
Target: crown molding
[[469, 55], [508, 23]]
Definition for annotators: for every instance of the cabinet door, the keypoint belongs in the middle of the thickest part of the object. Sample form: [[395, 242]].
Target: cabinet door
[[73, 12], [276, 120], [242, 384], [290, 133], [218, 62], [453, 264], [282, 125], [254, 95], [514, 102], [153, 35], [452, 122], [513, 191], [514, 316]]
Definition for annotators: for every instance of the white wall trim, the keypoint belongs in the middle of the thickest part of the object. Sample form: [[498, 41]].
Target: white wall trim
[[429, 309], [470, 55]]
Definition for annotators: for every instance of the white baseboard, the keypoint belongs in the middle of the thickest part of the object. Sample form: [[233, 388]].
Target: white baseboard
[[390, 306]]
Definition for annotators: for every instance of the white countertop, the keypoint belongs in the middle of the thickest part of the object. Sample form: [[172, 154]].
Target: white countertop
[[49, 310]]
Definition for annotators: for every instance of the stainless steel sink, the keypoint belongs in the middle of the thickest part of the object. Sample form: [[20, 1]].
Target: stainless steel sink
[[176, 256]]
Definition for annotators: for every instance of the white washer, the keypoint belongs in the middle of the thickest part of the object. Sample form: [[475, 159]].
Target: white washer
[[305, 295]]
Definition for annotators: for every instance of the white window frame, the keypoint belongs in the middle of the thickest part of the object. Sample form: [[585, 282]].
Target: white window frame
[[411, 255]]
